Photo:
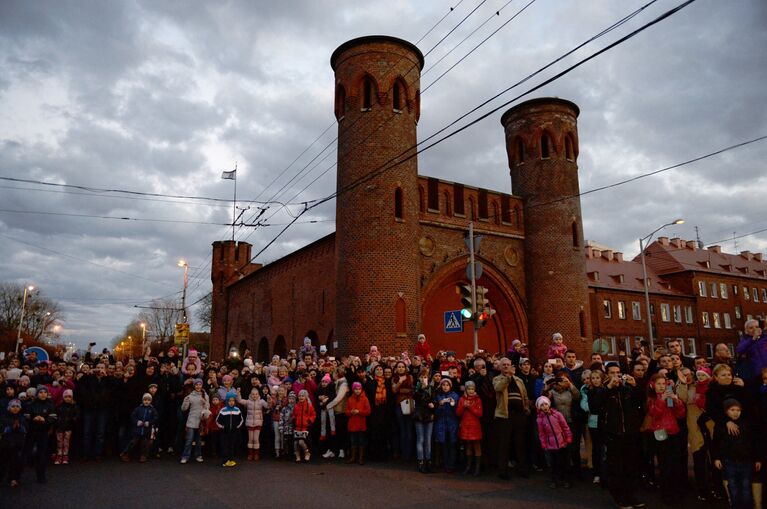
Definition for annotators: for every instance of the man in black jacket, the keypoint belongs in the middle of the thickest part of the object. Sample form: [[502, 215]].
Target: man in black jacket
[[621, 410], [94, 395]]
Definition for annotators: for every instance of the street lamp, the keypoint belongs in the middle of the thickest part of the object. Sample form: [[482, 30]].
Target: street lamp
[[21, 321], [642, 243], [143, 337], [182, 263], [130, 346]]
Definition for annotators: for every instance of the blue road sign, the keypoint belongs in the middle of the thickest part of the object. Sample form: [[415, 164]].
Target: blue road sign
[[453, 321]]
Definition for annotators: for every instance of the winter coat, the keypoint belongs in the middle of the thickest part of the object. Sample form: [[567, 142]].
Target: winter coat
[[423, 395], [303, 415], [357, 422], [94, 393], [197, 405], [471, 424], [446, 425], [566, 401], [620, 409], [755, 351], [68, 414], [254, 409], [664, 417], [593, 419], [553, 431], [44, 409], [229, 419], [286, 419], [716, 396], [148, 416], [338, 404], [744, 447], [13, 431], [501, 385], [556, 351]]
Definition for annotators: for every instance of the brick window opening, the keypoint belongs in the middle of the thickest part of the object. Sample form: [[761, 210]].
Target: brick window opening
[[367, 94], [582, 322], [576, 236], [458, 206], [417, 105], [520, 151], [515, 217], [447, 204], [400, 316], [483, 212], [569, 153], [545, 146], [398, 96], [421, 199], [340, 102], [433, 194], [496, 214], [472, 209], [398, 203], [505, 209]]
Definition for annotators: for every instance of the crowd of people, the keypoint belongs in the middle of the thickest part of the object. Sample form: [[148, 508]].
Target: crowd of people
[[625, 425]]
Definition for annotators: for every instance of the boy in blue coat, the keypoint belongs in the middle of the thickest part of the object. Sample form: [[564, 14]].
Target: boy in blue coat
[[144, 419], [229, 420], [13, 435]]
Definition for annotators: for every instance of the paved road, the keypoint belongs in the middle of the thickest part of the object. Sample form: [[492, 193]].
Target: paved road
[[165, 483]]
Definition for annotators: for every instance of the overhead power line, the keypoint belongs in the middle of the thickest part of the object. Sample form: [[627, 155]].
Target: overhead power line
[[119, 218]]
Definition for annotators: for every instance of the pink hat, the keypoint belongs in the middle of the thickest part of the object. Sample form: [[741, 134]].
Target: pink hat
[[68, 392], [326, 378], [356, 385], [192, 353], [227, 378]]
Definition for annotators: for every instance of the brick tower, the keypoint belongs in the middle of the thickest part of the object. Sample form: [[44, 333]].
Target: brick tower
[[229, 259], [377, 80], [542, 146]]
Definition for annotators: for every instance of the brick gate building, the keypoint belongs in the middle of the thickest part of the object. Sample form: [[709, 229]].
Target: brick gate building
[[391, 268]]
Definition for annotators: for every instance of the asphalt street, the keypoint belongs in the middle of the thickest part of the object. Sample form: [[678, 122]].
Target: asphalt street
[[165, 483]]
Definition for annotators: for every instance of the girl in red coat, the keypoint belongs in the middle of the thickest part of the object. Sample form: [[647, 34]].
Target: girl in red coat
[[469, 410], [303, 417], [664, 408], [357, 410]]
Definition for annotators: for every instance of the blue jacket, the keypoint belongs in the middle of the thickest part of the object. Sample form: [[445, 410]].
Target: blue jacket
[[446, 424], [144, 413], [229, 418], [755, 352]]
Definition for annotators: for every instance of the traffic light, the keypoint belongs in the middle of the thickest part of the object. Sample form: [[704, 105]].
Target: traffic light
[[484, 311], [467, 304], [484, 316]]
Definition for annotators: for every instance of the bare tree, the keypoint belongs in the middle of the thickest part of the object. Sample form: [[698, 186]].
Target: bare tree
[[161, 319], [205, 312], [40, 313]]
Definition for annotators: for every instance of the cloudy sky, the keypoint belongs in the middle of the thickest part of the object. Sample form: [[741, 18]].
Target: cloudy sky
[[161, 96]]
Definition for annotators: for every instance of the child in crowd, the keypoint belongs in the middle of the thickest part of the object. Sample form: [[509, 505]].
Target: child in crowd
[[229, 421], [446, 425], [42, 416], [144, 418], [469, 410], [303, 417], [13, 426], [422, 348], [254, 420], [555, 437], [357, 410], [557, 348], [737, 455], [326, 393], [703, 375], [664, 409], [278, 401], [286, 424], [68, 413], [213, 440]]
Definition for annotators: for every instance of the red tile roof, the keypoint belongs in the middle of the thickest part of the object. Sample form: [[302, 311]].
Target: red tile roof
[[615, 273]]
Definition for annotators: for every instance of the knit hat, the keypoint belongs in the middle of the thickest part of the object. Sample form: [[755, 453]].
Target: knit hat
[[304, 392], [173, 350], [731, 402], [152, 385], [231, 394], [68, 392], [704, 372], [524, 360], [541, 400], [14, 403], [447, 380], [422, 336], [326, 378], [197, 381], [292, 396], [356, 385], [323, 348], [192, 353], [42, 388], [450, 353], [146, 396], [227, 378], [515, 343], [469, 384], [23, 378], [307, 341], [31, 392]]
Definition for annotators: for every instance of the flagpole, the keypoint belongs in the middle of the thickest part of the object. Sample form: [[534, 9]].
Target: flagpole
[[234, 201]]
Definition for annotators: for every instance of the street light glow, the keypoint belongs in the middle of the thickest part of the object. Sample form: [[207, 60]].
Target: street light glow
[[143, 325], [679, 221], [182, 263], [30, 288]]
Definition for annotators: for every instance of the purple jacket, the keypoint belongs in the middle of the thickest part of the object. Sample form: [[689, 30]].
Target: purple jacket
[[755, 352], [553, 431]]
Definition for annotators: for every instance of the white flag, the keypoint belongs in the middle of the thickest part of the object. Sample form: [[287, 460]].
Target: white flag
[[229, 175]]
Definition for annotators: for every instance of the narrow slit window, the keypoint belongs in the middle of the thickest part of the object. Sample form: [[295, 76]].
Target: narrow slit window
[[569, 154], [340, 102], [520, 151], [483, 212], [367, 94], [458, 206], [505, 209], [576, 236], [545, 146], [397, 96]]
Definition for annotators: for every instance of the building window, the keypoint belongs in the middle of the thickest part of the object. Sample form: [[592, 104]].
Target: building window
[[706, 320], [458, 199], [710, 350], [397, 96], [636, 310], [665, 312], [569, 152], [755, 291], [433, 194], [472, 209], [764, 294], [398, 203], [576, 235], [688, 314], [520, 151], [446, 195], [723, 290], [691, 347], [713, 291], [727, 321], [702, 288], [735, 289], [746, 293], [621, 310], [613, 346], [505, 209], [607, 307], [677, 314], [340, 102], [545, 146], [483, 211], [717, 321], [367, 94], [738, 313]]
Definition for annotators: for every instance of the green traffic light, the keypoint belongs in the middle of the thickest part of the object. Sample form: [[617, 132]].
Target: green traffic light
[[466, 313]]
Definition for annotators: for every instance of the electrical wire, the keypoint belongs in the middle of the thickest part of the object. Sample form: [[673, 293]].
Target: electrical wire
[[92, 216]]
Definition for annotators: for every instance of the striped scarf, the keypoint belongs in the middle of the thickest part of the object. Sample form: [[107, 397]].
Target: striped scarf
[[380, 390]]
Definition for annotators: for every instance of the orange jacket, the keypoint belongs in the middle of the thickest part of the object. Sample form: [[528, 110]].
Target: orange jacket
[[357, 422], [303, 415]]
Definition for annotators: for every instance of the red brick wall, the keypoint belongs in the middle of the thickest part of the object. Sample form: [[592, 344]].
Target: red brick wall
[[555, 299]]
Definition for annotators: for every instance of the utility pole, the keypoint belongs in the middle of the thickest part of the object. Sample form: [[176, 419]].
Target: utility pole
[[473, 287]]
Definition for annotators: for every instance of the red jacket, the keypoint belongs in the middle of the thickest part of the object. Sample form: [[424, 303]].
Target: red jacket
[[357, 422], [423, 350], [303, 415], [664, 417], [471, 427]]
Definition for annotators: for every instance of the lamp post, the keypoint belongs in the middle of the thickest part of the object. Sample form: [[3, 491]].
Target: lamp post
[[182, 263], [21, 321], [130, 347], [143, 338], [644, 241]]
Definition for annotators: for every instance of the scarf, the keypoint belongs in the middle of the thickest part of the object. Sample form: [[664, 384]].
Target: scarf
[[380, 390]]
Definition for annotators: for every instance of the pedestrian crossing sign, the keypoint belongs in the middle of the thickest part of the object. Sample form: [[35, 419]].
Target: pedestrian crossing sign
[[453, 321]]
